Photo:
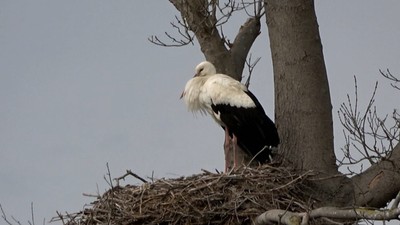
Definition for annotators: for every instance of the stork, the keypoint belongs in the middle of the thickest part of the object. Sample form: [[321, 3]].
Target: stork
[[235, 109]]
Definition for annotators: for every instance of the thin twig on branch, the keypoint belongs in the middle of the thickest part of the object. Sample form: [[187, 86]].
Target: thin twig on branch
[[4, 216], [387, 74], [250, 66], [186, 37]]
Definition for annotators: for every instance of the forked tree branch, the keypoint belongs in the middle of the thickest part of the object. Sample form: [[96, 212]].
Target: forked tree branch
[[250, 66], [379, 183], [204, 18]]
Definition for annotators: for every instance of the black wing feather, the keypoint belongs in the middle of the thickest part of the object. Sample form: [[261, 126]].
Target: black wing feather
[[253, 129]]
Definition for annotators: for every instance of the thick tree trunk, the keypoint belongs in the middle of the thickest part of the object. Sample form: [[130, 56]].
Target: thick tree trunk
[[302, 101]]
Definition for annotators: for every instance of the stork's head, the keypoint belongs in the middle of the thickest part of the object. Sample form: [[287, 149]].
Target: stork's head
[[205, 68]]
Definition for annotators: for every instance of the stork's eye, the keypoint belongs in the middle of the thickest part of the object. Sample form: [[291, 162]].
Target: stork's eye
[[201, 69]]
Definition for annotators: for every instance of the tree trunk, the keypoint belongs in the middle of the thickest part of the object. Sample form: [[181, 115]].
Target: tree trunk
[[303, 107], [302, 101]]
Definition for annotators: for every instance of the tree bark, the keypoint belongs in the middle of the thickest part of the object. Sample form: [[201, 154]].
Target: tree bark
[[380, 183], [302, 100], [280, 216]]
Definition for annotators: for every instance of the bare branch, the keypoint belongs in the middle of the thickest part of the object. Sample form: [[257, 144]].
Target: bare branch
[[107, 177], [291, 218], [250, 66], [279, 216], [391, 77], [365, 132], [258, 8], [184, 32], [225, 12], [32, 214], [4, 216], [15, 221]]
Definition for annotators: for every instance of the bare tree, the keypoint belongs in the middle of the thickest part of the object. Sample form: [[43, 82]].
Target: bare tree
[[302, 102]]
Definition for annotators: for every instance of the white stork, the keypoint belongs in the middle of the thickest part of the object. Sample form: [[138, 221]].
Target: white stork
[[233, 107]]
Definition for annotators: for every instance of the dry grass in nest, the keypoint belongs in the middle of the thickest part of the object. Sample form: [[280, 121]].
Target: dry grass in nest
[[207, 198]]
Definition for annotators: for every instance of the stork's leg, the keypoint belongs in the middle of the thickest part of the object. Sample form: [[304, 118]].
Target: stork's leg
[[227, 149], [235, 152]]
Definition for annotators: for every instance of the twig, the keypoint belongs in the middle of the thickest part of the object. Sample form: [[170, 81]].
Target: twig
[[388, 75], [250, 67], [302, 176], [3, 215], [108, 179], [365, 132], [32, 214], [91, 195], [129, 172]]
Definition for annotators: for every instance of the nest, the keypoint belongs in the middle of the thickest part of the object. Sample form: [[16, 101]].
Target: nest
[[207, 198]]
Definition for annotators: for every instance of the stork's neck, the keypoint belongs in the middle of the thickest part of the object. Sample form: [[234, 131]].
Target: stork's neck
[[192, 92]]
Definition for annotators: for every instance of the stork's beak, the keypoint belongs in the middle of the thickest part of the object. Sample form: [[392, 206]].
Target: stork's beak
[[196, 75]]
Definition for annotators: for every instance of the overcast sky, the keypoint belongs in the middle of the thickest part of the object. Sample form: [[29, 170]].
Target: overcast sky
[[80, 86]]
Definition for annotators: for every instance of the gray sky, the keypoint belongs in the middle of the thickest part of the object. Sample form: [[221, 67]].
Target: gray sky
[[81, 86]]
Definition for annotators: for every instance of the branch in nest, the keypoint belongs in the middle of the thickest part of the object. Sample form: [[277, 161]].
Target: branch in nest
[[129, 173], [292, 218]]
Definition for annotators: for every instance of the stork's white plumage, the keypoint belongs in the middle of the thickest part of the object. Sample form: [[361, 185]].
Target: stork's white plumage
[[233, 107]]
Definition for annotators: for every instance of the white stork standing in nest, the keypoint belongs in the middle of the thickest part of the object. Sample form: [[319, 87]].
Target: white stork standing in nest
[[236, 109]]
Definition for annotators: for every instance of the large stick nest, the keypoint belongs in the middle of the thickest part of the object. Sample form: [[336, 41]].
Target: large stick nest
[[207, 198]]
